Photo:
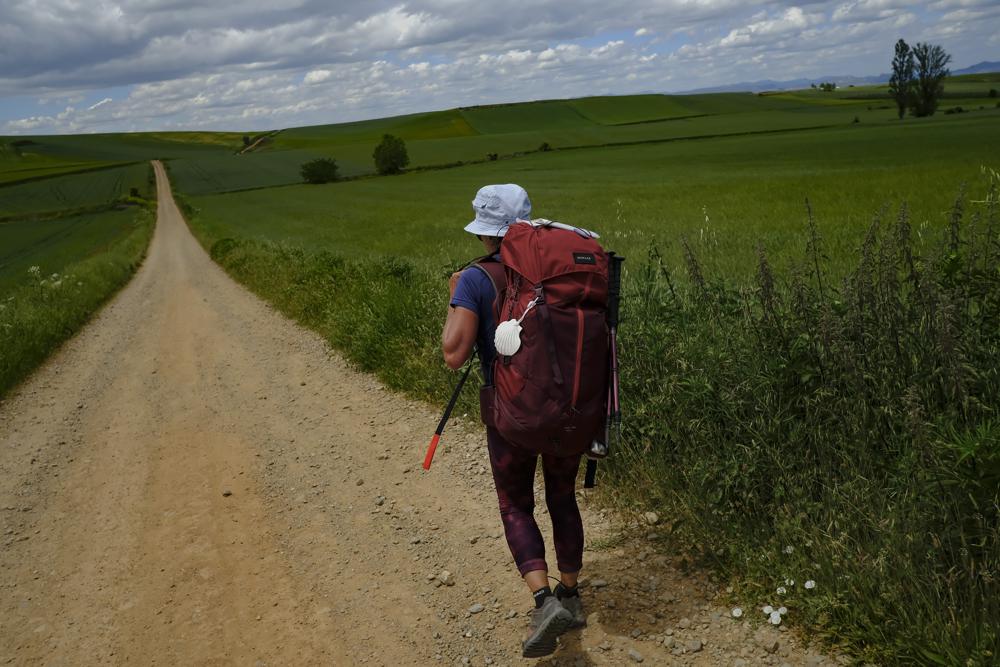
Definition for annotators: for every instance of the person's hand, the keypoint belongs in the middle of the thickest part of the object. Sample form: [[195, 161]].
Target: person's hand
[[453, 282]]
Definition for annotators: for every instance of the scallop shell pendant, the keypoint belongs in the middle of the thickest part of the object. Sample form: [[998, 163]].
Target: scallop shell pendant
[[507, 339]]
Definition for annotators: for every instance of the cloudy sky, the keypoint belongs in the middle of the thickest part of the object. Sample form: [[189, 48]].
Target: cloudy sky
[[102, 65]]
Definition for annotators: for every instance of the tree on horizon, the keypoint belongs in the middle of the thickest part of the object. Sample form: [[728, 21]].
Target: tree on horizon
[[931, 69], [901, 83]]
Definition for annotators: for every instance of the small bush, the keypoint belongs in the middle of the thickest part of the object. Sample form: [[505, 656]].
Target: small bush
[[390, 155], [492, 157], [545, 147], [322, 170], [992, 93]]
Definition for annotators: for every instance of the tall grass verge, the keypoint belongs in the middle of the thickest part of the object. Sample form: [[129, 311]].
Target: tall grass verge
[[846, 432], [797, 427], [41, 312]]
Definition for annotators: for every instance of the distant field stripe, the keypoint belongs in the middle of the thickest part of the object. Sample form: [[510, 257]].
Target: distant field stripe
[[58, 168], [70, 172], [516, 154], [57, 213], [662, 120], [698, 137]]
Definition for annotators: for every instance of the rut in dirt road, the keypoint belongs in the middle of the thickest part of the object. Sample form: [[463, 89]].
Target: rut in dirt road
[[195, 480]]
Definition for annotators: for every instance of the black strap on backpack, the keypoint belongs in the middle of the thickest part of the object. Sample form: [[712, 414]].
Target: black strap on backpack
[[613, 423]]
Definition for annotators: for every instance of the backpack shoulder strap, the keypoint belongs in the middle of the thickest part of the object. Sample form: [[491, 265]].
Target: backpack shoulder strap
[[497, 274]]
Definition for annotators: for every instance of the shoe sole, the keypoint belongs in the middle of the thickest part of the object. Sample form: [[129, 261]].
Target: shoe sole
[[544, 641]]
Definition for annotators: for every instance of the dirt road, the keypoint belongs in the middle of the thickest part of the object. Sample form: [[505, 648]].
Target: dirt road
[[195, 480]]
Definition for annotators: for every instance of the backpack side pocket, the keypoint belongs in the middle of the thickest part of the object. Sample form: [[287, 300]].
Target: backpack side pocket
[[487, 405]]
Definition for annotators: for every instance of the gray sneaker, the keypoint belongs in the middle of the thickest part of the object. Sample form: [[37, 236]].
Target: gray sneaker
[[574, 605], [547, 623]]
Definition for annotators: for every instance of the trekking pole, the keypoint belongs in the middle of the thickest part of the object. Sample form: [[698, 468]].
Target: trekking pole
[[614, 303], [614, 411], [447, 413]]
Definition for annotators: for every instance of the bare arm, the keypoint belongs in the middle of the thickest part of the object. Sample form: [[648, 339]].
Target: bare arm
[[459, 334]]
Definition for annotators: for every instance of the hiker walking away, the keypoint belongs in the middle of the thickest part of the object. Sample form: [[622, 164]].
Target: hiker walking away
[[480, 298]]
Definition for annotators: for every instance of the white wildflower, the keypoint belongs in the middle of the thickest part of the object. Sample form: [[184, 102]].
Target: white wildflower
[[768, 609], [782, 590], [35, 271], [789, 582], [56, 284], [810, 584], [789, 549], [782, 610], [737, 612], [775, 618]]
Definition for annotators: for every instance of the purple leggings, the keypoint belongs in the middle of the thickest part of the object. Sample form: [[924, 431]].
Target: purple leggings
[[514, 476]]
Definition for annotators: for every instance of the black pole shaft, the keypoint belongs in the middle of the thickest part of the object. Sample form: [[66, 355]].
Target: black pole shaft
[[454, 398]]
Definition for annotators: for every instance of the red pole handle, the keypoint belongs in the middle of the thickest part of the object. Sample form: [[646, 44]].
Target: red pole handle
[[430, 451]]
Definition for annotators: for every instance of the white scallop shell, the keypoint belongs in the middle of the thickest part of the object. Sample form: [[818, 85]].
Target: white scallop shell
[[507, 339]]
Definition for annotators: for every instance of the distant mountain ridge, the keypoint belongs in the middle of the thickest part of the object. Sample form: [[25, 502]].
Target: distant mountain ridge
[[841, 81]]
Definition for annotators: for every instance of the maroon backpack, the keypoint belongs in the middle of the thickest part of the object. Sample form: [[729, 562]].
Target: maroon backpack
[[549, 396]]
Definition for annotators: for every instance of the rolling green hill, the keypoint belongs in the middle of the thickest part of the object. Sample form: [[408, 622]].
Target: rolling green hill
[[207, 162]]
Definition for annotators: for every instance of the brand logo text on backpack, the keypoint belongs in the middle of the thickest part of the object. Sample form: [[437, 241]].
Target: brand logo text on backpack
[[583, 258]]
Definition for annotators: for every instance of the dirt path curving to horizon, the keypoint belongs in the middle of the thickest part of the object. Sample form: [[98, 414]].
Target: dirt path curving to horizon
[[196, 480]]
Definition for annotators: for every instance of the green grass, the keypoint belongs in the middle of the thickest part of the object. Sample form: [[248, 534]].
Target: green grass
[[612, 110], [39, 310], [26, 161], [97, 188], [750, 188], [226, 172], [432, 125], [67, 244], [541, 116], [56, 243], [17, 165], [126, 147]]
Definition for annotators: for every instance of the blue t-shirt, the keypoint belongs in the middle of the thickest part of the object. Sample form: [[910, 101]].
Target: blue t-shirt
[[475, 292]]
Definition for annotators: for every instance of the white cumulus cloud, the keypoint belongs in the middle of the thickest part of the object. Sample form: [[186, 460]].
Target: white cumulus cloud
[[259, 65]]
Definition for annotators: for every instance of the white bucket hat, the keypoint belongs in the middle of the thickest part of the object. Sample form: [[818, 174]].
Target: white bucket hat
[[497, 207]]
